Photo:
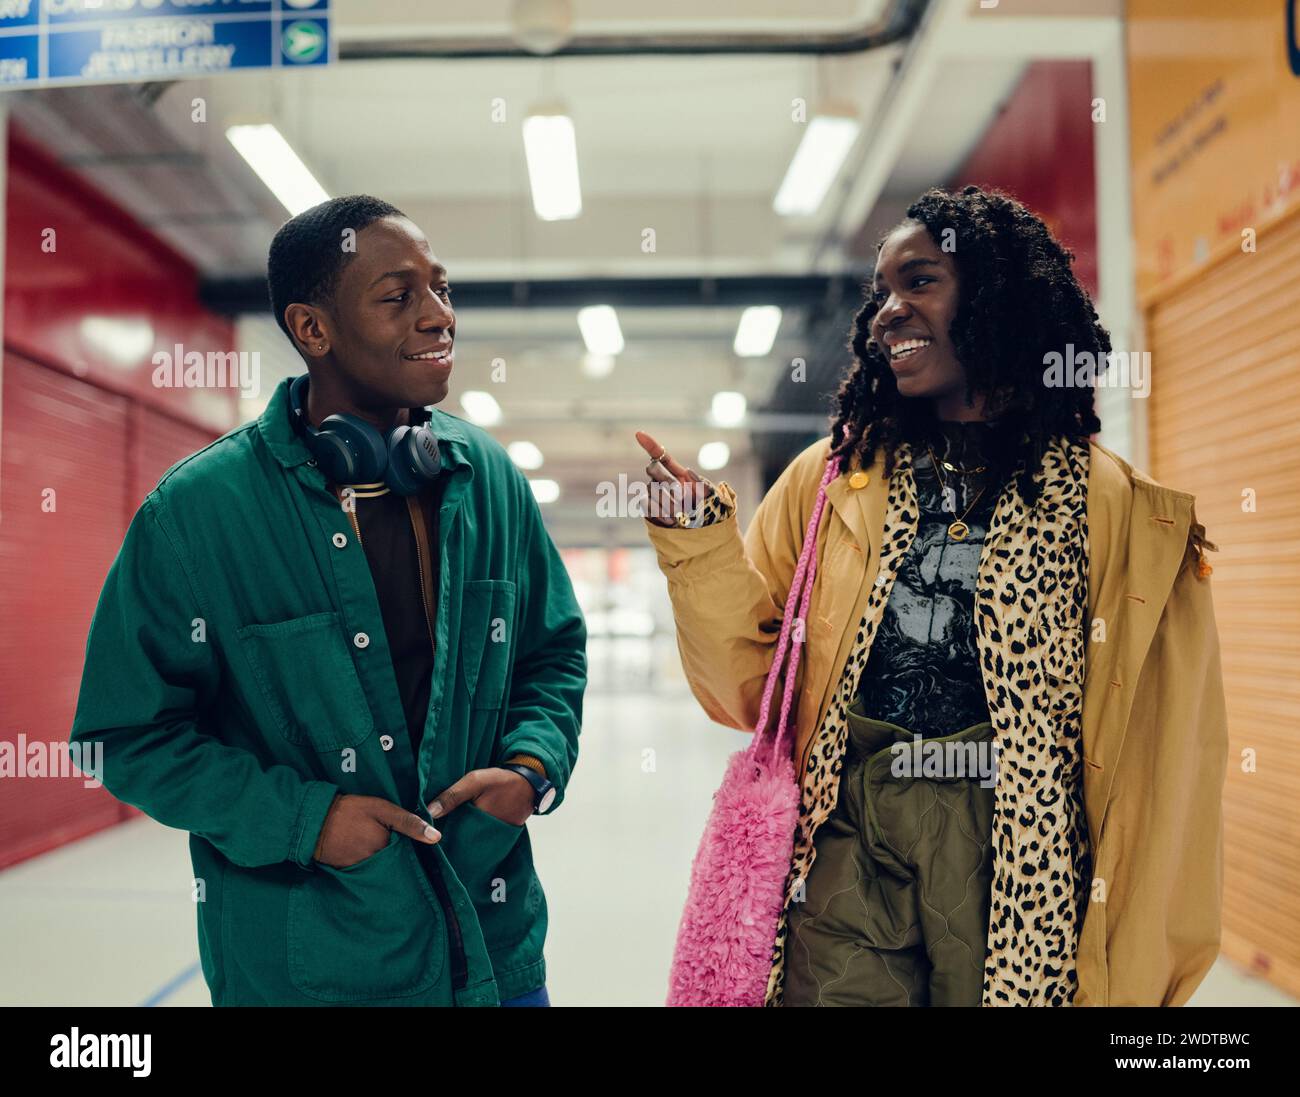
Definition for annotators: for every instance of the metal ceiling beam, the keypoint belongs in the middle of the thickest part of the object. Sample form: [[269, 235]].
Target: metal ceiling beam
[[249, 295], [895, 25]]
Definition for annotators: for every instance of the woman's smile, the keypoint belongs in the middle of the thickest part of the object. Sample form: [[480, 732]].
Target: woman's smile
[[903, 357]]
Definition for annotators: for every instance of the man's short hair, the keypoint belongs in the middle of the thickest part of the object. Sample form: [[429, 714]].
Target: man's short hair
[[307, 255]]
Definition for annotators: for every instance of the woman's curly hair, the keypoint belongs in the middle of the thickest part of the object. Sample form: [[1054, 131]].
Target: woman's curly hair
[[1019, 300]]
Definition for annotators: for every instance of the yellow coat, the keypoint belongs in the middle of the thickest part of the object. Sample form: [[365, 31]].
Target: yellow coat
[[1154, 720]]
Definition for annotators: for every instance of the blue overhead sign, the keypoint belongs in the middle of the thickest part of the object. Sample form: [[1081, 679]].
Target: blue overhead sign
[[47, 42]]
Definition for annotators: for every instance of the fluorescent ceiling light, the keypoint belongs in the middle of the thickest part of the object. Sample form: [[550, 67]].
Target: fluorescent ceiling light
[[525, 455], [714, 455], [597, 365], [551, 149], [728, 408], [545, 491], [124, 342], [817, 161], [278, 166], [481, 407], [600, 330], [756, 331]]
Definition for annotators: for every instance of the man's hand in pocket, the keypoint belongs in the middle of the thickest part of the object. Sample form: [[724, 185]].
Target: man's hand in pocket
[[358, 827], [500, 792]]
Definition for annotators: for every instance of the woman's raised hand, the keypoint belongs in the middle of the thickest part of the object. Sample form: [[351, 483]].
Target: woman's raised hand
[[673, 488]]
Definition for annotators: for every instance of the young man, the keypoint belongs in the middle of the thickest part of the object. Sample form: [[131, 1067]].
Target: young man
[[344, 654]]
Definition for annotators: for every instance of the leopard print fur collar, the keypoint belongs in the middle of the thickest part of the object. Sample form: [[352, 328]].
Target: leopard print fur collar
[[1031, 602]]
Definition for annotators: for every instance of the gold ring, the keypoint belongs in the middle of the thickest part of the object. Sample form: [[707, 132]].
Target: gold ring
[[680, 519]]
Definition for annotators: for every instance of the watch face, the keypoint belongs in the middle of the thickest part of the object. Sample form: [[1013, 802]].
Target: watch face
[[548, 798]]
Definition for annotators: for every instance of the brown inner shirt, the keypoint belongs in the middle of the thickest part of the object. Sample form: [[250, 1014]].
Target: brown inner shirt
[[389, 540]]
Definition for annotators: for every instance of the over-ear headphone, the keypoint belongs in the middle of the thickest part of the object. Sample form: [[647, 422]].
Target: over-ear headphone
[[348, 450]]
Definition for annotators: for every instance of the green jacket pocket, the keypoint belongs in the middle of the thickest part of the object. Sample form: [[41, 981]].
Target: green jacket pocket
[[370, 930], [487, 620], [309, 682], [494, 862]]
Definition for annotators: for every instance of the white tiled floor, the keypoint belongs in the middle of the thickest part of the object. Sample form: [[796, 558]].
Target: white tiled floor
[[109, 920]]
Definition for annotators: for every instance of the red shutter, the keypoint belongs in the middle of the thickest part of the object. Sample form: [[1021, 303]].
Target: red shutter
[[1225, 416], [62, 434]]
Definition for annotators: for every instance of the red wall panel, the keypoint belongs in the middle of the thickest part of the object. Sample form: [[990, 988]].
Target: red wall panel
[[52, 565], [1040, 149], [104, 267], [94, 430]]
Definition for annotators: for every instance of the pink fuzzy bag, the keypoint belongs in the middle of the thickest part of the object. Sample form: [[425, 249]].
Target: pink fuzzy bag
[[724, 942]]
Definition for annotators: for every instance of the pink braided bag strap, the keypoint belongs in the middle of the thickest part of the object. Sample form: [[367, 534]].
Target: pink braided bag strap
[[800, 597]]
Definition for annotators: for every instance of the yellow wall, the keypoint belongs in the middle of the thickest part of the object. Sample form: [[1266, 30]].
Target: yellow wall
[[1214, 127]]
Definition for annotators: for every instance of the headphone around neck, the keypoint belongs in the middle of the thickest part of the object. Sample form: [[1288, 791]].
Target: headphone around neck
[[348, 450]]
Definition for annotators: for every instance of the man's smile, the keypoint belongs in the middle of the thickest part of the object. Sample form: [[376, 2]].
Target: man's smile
[[440, 355]]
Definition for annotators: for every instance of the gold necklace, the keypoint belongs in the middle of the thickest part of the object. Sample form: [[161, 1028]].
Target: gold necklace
[[957, 530], [965, 472], [953, 468]]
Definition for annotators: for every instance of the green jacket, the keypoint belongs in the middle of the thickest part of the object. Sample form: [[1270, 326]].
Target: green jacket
[[238, 675]]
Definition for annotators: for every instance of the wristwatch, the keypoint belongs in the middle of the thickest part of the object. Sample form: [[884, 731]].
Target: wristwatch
[[543, 790]]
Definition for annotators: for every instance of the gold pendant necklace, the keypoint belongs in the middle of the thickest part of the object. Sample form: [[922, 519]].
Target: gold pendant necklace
[[965, 472], [958, 529]]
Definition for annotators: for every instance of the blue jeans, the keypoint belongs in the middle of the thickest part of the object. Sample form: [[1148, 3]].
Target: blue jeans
[[532, 998]]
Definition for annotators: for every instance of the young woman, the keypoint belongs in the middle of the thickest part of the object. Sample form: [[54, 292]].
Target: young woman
[[1010, 733]]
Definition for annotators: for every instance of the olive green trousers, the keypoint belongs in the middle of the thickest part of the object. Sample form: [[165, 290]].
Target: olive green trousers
[[896, 905]]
